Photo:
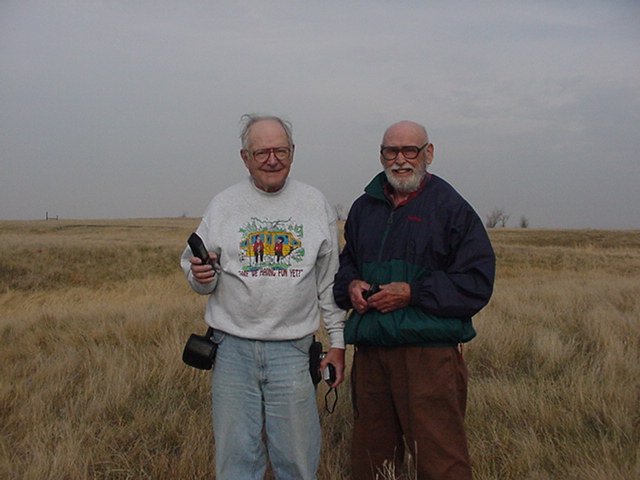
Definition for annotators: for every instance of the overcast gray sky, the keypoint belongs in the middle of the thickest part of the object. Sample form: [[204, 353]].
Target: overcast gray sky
[[123, 108]]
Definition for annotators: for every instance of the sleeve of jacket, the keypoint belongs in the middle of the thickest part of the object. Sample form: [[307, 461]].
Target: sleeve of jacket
[[348, 270], [465, 285]]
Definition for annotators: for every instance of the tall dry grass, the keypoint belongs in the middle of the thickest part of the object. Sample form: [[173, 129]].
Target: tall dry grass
[[94, 316]]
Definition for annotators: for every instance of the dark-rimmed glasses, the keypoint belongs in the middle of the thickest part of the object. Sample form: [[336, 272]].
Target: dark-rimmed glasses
[[408, 151], [281, 154]]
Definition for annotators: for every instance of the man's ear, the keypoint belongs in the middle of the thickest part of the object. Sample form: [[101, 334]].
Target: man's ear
[[429, 152], [245, 157]]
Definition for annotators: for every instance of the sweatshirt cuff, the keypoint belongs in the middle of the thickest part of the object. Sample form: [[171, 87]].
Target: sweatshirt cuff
[[336, 337]]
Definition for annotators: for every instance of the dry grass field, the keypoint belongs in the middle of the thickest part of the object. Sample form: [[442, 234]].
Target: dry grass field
[[94, 316]]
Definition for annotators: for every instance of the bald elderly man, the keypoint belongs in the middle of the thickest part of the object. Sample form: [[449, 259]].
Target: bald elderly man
[[417, 265]]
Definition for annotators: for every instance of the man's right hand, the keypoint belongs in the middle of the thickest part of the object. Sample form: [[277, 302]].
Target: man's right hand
[[356, 289], [203, 273]]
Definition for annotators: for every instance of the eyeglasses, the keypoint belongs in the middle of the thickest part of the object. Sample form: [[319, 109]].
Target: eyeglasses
[[408, 151], [281, 154]]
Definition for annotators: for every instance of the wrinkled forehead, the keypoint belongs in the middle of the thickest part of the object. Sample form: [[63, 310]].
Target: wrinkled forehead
[[267, 133]]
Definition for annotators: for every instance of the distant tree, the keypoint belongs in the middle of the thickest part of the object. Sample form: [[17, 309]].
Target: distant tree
[[497, 217], [524, 222], [503, 220]]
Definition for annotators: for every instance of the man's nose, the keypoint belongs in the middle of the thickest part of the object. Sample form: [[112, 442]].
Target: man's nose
[[400, 158], [271, 159]]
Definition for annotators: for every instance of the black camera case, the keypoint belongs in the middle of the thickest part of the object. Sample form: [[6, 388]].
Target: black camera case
[[200, 350], [315, 357], [315, 352]]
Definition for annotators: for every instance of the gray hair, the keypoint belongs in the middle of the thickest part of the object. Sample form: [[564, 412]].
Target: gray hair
[[247, 121]]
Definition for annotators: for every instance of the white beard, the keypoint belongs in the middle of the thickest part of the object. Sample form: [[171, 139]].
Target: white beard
[[410, 184]]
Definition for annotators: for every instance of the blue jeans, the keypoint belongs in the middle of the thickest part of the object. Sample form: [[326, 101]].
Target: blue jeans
[[264, 403]]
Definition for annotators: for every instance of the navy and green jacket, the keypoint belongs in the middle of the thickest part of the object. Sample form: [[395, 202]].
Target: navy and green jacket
[[435, 242]]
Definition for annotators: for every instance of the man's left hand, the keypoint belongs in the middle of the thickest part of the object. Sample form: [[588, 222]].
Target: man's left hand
[[335, 357], [391, 296]]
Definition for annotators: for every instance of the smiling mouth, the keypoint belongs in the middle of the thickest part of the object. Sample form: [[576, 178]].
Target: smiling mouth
[[402, 171]]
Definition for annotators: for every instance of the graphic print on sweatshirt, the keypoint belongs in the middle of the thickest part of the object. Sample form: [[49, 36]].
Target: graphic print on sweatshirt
[[271, 248]]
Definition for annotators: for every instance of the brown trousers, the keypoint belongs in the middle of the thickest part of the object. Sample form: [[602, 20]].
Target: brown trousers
[[410, 394]]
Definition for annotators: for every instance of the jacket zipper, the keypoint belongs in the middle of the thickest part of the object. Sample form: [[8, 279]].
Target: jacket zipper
[[385, 234]]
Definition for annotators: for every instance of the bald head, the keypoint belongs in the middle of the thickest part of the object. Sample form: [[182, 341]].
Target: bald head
[[407, 128]]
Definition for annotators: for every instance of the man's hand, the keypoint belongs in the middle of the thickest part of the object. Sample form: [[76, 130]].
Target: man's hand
[[391, 296], [203, 273], [335, 357], [356, 289]]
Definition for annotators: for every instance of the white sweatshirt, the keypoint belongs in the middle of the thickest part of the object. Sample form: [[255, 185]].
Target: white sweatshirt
[[280, 294]]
